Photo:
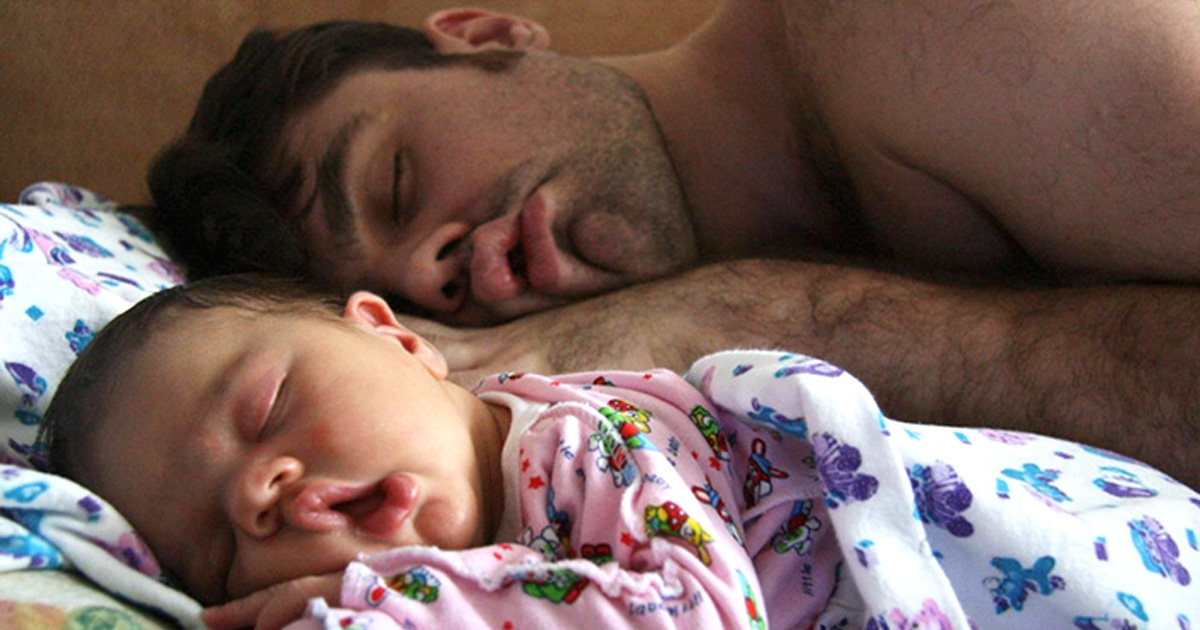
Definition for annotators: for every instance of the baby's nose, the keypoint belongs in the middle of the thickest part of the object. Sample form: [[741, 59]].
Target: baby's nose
[[255, 503]]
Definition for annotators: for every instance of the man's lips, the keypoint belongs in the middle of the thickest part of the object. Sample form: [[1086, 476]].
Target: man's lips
[[515, 252], [541, 255], [377, 510]]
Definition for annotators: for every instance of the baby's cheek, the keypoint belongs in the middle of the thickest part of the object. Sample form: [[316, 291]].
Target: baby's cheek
[[208, 445], [321, 436]]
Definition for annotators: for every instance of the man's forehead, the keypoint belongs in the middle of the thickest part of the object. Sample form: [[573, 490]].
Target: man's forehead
[[358, 101], [360, 93]]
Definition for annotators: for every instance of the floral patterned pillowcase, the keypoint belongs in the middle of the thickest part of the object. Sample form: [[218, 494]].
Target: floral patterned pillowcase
[[69, 262]]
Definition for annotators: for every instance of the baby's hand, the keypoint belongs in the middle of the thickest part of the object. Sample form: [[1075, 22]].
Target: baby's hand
[[274, 606]]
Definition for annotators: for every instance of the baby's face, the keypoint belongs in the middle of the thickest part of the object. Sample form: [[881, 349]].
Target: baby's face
[[252, 449]]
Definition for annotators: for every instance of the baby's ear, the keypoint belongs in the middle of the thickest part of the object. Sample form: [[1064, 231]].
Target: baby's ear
[[464, 30], [373, 313]]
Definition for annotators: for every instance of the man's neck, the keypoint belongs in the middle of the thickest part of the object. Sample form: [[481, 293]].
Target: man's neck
[[730, 104]]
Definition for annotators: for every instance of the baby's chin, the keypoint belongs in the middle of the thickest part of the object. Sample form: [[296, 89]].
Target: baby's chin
[[449, 525]]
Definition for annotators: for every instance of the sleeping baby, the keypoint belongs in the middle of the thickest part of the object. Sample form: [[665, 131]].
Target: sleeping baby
[[289, 458]]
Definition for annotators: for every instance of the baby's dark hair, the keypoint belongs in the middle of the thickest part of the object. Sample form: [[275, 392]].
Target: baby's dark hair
[[80, 403]]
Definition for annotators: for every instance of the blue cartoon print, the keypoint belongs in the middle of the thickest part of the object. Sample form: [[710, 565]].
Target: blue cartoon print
[[84, 245], [113, 279], [79, 337], [1039, 480], [6, 283], [772, 419], [1105, 623], [40, 552], [1010, 591], [19, 239], [31, 384], [1129, 603], [798, 364], [838, 466], [27, 492], [55, 254], [1159, 552], [135, 229], [941, 497], [1121, 483]]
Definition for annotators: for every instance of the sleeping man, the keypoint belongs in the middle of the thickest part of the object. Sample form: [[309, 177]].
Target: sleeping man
[[275, 449], [988, 212]]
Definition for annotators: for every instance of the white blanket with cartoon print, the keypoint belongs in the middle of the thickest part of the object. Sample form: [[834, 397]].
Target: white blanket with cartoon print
[[944, 527]]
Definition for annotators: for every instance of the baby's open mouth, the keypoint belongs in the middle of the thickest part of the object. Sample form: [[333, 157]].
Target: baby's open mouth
[[381, 510], [359, 507]]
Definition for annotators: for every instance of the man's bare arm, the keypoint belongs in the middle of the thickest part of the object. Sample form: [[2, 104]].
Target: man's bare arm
[[1110, 366]]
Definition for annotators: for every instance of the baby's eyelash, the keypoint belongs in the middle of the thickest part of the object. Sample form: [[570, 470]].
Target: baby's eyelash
[[275, 411]]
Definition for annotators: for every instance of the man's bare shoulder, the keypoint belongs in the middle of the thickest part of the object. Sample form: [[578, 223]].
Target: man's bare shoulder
[[1074, 124]]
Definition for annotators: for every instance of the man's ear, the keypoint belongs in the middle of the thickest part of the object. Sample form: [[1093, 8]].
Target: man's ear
[[373, 313], [465, 30]]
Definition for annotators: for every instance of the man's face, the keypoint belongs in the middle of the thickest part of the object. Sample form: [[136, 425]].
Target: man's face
[[252, 449], [479, 196]]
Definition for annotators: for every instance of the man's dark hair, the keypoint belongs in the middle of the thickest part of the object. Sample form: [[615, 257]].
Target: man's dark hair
[[222, 201], [80, 403]]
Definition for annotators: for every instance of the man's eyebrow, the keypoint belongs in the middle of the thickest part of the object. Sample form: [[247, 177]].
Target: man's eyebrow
[[330, 186]]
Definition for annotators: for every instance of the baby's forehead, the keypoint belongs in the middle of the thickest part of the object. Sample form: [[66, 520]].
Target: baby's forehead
[[200, 336], [241, 316]]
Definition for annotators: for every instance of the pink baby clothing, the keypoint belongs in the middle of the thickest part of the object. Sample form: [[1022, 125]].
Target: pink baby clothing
[[767, 489]]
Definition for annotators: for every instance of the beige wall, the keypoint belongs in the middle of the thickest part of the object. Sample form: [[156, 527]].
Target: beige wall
[[90, 90]]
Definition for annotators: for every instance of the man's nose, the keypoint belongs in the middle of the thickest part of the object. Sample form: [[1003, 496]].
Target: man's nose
[[255, 503], [436, 276]]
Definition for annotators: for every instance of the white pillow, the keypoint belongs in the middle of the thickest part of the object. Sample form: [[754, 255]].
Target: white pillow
[[69, 262]]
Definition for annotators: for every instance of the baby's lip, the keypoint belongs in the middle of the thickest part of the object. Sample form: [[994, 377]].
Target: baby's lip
[[377, 510], [383, 512]]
